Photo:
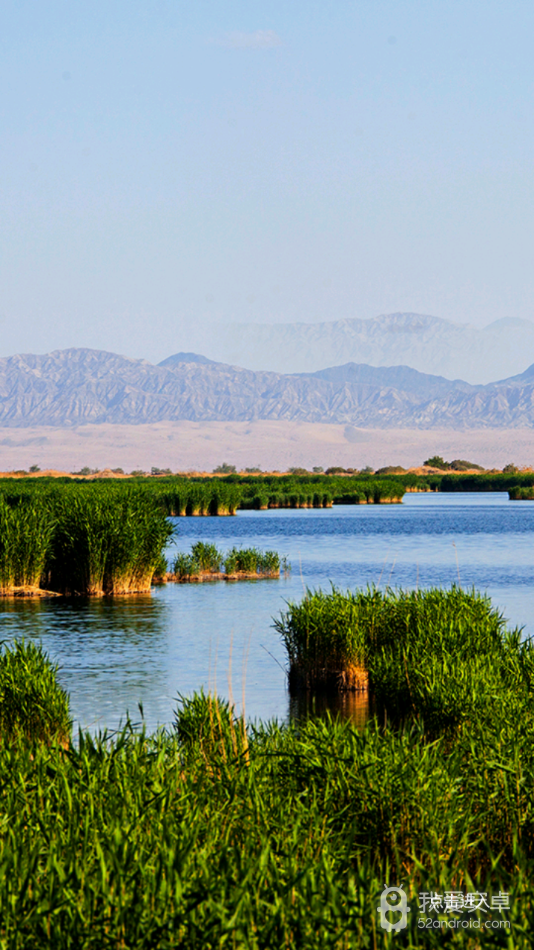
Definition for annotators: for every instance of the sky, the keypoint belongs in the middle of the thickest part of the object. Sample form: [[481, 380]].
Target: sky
[[169, 166]]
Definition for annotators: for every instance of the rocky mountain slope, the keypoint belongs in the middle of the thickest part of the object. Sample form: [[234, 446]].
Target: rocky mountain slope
[[80, 386], [428, 344]]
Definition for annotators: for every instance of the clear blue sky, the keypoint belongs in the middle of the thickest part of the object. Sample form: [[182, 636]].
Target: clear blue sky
[[164, 163]]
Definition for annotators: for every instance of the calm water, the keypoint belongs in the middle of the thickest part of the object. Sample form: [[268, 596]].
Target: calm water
[[115, 654]]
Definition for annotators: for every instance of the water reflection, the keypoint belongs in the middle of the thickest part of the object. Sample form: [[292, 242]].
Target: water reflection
[[352, 706], [111, 652]]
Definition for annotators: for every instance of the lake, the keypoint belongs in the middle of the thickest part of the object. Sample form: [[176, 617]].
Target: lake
[[117, 653]]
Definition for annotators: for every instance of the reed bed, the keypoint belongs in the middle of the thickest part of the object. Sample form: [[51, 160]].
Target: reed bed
[[106, 541], [405, 646], [521, 493], [33, 707], [26, 529], [206, 562], [221, 834], [326, 641]]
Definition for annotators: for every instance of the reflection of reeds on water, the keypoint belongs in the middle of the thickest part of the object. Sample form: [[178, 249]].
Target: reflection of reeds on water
[[350, 705]]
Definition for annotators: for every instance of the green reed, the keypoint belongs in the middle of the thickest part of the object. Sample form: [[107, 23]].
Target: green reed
[[325, 637], [205, 559], [436, 651], [26, 529], [33, 707], [107, 540], [220, 834], [254, 561]]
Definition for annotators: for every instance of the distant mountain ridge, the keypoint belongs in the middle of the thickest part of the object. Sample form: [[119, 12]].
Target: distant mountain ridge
[[426, 343], [80, 386]]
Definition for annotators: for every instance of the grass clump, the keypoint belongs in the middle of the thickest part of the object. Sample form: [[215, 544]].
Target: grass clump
[[252, 561], [205, 559], [326, 640], [33, 707], [108, 541], [521, 493], [441, 654], [26, 529]]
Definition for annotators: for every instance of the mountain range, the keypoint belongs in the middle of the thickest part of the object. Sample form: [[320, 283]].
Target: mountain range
[[80, 386], [428, 344]]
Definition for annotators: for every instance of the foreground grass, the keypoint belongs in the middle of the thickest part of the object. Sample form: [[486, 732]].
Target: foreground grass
[[259, 839], [218, 834]]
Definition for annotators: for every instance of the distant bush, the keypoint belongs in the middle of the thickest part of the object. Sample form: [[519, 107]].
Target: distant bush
[[298, 471], [510, 469], [461, 465], [437, 462], [391, 470], [224, 469], [87, 471]]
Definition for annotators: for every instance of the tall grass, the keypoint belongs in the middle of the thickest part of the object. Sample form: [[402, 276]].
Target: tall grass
[[326, 640], [521, 493], [33, 707], [107, 541], [254, 561], [206, 559], [26, 529], [221, 835], [437, 652]]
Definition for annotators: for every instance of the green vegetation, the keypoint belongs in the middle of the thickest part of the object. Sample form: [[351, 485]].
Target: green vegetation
[[85, 539], [26, 529], [326, 641], [33, 707], [109, 540], [521, 493], [206, 559], [457, 465], [440, 654], [218, 834], [224, 469]]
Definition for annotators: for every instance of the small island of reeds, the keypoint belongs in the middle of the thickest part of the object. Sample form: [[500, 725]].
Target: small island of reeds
[[439, 653], [207, 563]]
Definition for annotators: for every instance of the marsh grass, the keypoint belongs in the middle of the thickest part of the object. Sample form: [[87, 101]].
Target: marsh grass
[[440, 653], [220, 834], [26, 529], [206, 560], [521, 493], [107, 541], [326, 642], [33, 707]]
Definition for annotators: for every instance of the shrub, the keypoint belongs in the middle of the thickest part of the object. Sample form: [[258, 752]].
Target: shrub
[[224, 469]]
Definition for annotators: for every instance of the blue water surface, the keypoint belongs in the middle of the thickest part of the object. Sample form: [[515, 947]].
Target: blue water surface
[[117, 653]]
